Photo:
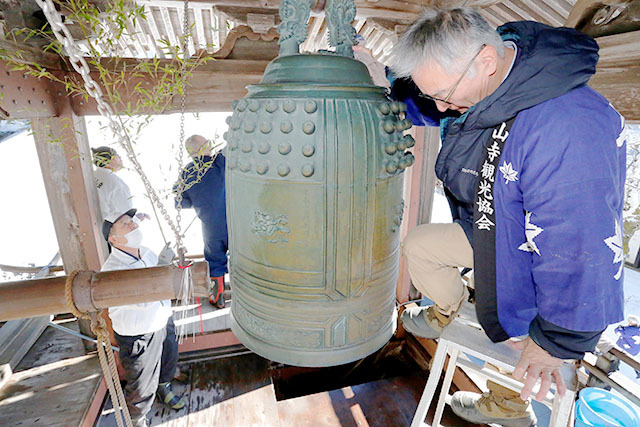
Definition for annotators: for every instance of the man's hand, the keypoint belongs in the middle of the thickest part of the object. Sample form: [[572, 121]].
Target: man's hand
[[537, 363], [361, 49], [142, 216]]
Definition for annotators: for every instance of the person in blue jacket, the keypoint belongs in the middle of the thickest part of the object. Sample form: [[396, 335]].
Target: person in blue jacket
[[533, 166], [204, 191]]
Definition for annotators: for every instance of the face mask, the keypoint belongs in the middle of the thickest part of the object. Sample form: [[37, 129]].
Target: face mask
[[134, 238]]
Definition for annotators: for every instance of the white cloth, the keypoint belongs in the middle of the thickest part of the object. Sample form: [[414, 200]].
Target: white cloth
[[136, 319], [113, 193]]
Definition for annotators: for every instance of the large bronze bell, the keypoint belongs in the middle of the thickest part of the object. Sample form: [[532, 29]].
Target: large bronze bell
[[314, 204]]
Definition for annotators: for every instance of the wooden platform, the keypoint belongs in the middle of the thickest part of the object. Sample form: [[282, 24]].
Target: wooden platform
[[238, 391], [52, 385]]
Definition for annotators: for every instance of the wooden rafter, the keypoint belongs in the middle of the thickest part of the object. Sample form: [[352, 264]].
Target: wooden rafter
[[618, 73]]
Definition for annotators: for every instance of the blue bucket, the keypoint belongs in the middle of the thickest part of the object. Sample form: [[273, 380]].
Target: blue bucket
[[598, 407]]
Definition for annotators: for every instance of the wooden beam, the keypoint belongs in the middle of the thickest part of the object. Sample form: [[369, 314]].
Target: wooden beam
[[315, 22], [578, 10], [24, 96], [28, 270], [365, 12], [168, 27], [200, 31], [98, 290], [221, 29], [617, 75], [153, 27], [619, 48], [25, 54], [531, 12]]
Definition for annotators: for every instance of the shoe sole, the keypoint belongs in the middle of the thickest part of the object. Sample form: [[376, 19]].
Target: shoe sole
[[410, 326]]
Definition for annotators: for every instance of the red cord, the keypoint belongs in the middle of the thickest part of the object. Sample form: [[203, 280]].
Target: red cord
[[185, 266], [200, 311]]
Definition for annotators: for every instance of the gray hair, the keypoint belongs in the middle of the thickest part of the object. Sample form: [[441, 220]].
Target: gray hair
[[196, 145], [450, 36]]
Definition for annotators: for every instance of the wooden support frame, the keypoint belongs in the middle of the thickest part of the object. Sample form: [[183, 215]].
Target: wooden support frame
[[617, 75], [63, 151], [24, 96], [94, 291], [420, 180]]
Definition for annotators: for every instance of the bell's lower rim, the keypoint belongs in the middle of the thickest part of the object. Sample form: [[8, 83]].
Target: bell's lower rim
[[325, 357]]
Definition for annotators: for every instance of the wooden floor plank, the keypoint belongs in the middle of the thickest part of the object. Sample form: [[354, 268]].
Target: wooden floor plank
[[254, 401], [211, 396], [161, 415], [316, 410], [53, 384], [55, 394]]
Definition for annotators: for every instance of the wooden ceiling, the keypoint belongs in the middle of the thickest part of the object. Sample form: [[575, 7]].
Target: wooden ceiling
[[378, 21], [241, 60]]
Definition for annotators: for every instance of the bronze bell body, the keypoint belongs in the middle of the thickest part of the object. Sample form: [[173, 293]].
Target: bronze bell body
[[314, 204]]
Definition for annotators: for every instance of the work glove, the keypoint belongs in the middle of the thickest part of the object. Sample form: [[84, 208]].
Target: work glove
[[166, 255]]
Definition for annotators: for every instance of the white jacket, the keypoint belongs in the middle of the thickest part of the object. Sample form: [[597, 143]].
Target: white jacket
[[113, 193], [136, 319]]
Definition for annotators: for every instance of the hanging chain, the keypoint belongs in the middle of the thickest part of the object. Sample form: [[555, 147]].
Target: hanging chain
[[183, 87], [93, 89]]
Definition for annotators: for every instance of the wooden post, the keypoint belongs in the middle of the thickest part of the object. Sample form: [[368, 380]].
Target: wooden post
[[97, 290], [63, 151], [428, 177], [420, 182]]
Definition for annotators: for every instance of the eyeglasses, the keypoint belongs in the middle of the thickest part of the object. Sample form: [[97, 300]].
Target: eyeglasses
[[455, 86]]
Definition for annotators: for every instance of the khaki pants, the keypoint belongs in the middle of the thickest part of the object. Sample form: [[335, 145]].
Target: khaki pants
[[434, 252]]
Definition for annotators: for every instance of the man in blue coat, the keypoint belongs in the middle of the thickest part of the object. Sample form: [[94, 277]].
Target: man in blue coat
[[204, 191], [533, 166]]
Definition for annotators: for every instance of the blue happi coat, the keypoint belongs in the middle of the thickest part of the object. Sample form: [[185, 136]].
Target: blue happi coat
[[558, 192]]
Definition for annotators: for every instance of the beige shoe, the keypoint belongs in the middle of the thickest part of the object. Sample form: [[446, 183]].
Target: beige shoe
[[425, 322], [499, 406], [428, 322]]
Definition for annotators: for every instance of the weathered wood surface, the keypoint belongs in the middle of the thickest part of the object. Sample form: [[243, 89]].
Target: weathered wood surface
[[16, 338], [27, 298], [618, 73], [238, 392], [65, 162], [53, 385]]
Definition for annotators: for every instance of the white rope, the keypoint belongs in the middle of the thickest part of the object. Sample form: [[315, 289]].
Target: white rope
[[105, 355]]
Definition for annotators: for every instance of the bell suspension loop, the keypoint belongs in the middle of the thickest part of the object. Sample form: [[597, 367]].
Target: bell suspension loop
[[295, 16]]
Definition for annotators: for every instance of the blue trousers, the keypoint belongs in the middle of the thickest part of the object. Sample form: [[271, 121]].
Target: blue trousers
[[215, 252]]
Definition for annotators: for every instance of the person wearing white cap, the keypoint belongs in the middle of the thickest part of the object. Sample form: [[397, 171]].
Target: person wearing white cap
[[144, 332]]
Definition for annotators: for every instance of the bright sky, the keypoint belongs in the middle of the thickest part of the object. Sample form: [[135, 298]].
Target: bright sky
[[28, 236]]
